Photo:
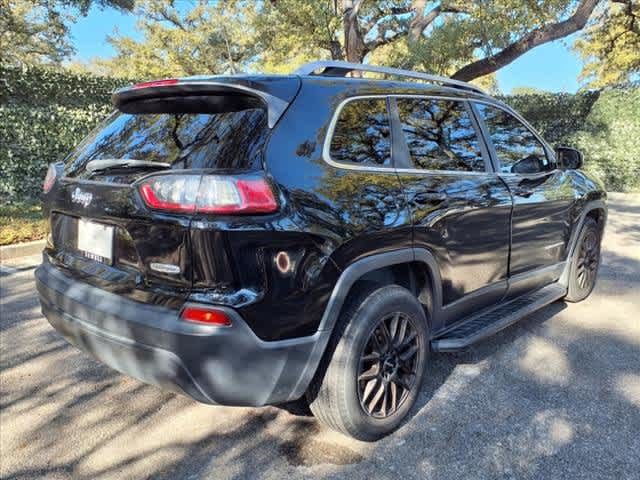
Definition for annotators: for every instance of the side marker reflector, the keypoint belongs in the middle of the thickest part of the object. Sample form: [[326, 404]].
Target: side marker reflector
[[209, 316]]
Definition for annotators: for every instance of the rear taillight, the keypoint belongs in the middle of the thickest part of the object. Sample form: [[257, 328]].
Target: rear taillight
[[215, 194], [50, 178], [210, 316]]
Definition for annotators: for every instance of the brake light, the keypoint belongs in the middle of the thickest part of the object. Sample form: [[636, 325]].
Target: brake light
[[156, 83], [50, 178], [216, 194], [209, 316]]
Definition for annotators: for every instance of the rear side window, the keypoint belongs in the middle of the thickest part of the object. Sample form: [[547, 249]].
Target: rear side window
[[440, 135], [362, 133], [185, 140], [517, 148]]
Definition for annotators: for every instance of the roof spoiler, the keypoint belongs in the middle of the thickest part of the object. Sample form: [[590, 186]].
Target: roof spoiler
[[275, 93]]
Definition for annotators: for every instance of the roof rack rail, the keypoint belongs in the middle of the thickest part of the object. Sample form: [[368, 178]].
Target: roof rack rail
[[336, 68]]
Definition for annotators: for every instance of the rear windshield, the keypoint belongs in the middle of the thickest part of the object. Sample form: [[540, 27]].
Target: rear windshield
[[185, 140]]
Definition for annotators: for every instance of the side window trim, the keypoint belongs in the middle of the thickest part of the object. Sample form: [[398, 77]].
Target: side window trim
[[494, 155], [489, 166], [326, 147], [486, 138]]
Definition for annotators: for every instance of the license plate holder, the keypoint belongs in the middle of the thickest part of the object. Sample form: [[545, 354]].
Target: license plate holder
[[95, 241]]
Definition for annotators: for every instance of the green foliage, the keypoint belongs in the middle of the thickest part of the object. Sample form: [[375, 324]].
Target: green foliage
[[604, 125], [43, 115], [293, 32], [43, 86], [31, 137], [610, 47], [556, 116], [610, 139], [209, 37], [37, 32]]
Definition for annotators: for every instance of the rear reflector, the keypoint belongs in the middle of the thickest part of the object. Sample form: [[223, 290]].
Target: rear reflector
[[206, 315], [215, 194], [156, 83]]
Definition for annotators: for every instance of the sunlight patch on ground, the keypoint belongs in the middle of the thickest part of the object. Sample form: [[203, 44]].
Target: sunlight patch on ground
[[628, 385], [546, 362]]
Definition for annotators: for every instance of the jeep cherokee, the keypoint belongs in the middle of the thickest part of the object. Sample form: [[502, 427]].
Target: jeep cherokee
[[256, 239]]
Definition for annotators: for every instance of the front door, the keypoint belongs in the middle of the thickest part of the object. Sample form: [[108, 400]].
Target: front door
[[460, 207], [542, 197]]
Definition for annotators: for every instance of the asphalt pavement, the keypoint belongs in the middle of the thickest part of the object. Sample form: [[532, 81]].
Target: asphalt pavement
[[554, 396]]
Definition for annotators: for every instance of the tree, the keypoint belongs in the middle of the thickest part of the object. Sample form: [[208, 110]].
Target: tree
[[610, 46], [466, 40], [37, 32], [463, 39], [209, 37], [292, 32]]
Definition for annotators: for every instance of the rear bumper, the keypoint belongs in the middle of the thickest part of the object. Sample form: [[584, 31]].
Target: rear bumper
[[220, 365]]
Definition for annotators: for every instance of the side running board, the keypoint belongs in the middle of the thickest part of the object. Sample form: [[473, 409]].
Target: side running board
[[488, 322]]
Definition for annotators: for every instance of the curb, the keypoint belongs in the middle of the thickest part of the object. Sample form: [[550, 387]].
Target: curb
[[17, 250]]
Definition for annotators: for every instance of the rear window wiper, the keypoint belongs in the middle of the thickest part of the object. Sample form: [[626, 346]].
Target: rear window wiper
[[109, 163]]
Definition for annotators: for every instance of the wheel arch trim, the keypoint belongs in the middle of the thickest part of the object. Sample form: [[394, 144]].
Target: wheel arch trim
[[361, 267]]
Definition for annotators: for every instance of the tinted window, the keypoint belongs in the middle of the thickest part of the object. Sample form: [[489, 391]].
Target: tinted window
[[362, 133], [518, 149], [440, 135], [186, 140]]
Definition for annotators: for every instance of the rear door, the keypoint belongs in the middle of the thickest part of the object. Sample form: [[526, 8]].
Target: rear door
[[542, 196], [460, 208]]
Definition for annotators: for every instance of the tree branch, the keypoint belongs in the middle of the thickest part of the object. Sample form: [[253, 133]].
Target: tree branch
[[537, 37], [421, 21]]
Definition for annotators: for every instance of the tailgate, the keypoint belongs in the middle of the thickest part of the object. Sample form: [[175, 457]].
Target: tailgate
[[102, 234]]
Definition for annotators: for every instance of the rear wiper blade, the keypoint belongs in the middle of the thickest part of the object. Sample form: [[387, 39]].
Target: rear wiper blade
[[96, 165]]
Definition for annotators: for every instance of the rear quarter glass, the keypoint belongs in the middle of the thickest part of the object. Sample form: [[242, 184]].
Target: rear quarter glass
[[187, 136]]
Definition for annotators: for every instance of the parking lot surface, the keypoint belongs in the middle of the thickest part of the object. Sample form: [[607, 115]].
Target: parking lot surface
[[555, 396]]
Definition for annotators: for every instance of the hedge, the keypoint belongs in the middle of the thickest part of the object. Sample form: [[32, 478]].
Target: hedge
[[43, 87], [44, 114], [604, 125]]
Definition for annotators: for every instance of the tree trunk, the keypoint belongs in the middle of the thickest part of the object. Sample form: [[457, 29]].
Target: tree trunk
[[355, 49]]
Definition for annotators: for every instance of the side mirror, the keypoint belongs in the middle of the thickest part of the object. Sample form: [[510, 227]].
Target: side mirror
[[569, 158]]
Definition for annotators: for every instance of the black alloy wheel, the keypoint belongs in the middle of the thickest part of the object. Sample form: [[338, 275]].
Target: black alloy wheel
[[378, 355], [388, 365], [588, 260], [585, 262]]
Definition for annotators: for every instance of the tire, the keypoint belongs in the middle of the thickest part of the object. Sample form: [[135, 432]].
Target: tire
[[585, 262], [342, 402]]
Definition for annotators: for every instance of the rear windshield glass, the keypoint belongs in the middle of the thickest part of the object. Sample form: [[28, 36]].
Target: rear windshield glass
[[185, 140]]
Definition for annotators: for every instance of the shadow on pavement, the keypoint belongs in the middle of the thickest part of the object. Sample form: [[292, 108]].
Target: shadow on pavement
[[556, 395]]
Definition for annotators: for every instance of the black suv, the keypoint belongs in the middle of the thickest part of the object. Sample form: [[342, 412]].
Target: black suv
[[254, 240]]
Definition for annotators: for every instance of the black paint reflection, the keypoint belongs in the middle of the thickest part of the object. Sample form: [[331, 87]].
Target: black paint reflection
[[440, 135], [464, 220]]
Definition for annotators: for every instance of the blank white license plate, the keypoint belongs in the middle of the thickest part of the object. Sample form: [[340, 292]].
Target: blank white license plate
[[95, 240]]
